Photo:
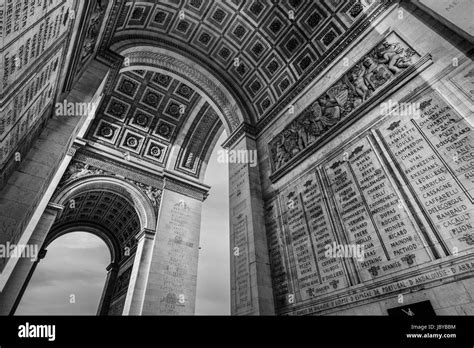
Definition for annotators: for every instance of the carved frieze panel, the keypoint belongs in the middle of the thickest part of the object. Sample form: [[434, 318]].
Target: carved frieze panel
[[337, 105]]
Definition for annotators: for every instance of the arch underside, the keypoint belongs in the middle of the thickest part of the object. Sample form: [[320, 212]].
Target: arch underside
[[114, 210], [264, 52], [247, 60]]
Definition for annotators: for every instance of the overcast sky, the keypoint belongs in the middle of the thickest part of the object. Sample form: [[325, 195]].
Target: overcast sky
[[71, 278]]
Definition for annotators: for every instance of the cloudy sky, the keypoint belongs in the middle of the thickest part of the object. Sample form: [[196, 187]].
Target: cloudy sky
[[71, 278]]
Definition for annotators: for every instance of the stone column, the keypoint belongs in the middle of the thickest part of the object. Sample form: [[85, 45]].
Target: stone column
[[172, 281], [139, 277], [251, 290], [28, 190], [18, 281], [112, 272]]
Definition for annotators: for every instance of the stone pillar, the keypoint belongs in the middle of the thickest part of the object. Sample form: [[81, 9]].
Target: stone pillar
[[138, 278], [29, 189], [112, 272], [18, 281], [172, 281], [251, 290]]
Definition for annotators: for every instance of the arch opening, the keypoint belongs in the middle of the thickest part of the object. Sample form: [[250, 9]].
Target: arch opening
[[70, 279]]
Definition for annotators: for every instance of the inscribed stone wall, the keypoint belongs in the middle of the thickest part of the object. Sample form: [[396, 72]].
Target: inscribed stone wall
[[397, 182]]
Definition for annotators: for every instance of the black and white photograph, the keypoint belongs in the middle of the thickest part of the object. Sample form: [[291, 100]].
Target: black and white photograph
[[171, 166]]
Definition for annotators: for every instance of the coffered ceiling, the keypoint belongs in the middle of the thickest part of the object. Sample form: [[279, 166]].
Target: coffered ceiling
[[263, 49], [113, 213], [143, 114]]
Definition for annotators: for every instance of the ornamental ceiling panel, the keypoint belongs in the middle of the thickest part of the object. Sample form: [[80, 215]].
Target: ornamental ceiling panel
[[265, 47], [143, 114], [110, 211]]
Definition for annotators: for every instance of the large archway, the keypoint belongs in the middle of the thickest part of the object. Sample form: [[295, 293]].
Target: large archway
[[70, 278], [121, 213]]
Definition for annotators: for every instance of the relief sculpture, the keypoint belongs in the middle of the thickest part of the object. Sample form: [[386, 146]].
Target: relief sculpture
[[383, 63]]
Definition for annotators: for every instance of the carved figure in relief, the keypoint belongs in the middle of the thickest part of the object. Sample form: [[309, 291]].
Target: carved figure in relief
[[373, 71], [376, 74], [78, 170], [291, 140], [308, 126], [316, 128], [152, 193], [392, 54], [302, 134], [280, 154], [356, 82], [330, 110]]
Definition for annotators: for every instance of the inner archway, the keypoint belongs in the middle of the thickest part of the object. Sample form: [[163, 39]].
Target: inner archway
[[70, 279]]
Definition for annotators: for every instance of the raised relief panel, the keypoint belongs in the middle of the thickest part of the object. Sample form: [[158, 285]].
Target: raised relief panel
[[339, 106], [434, 153]]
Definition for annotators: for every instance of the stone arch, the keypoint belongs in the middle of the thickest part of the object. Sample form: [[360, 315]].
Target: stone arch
[[181, 142], [145, 53], [112, 243], [121, 261], [132, 194]]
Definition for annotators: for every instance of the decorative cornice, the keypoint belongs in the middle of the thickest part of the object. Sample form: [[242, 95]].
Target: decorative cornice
[[55, 208], [185, 187], [145, 233], [76, 145], [244, 128]]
